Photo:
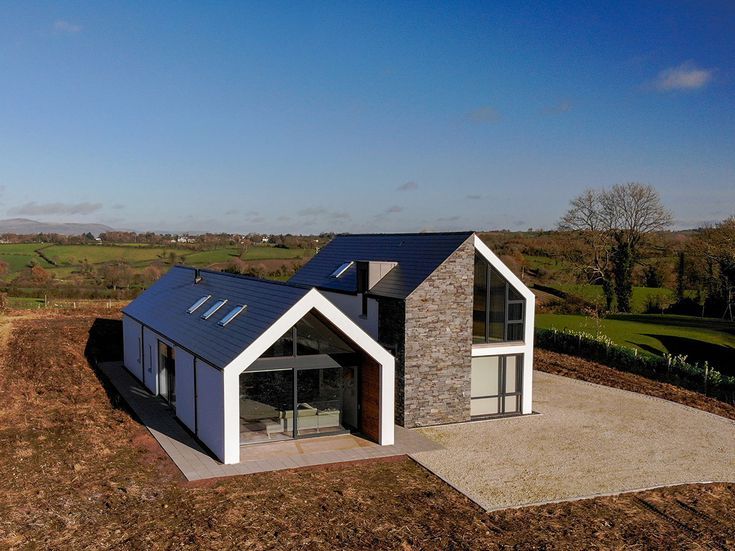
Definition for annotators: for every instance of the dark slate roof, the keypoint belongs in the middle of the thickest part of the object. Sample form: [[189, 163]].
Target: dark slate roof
[[417, 255], [163, 308]]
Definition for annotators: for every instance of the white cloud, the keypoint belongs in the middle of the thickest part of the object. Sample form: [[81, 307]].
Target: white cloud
[[561, 107], [65, 27], [408, 186], [35, 209], [485, 114], [686, 76]]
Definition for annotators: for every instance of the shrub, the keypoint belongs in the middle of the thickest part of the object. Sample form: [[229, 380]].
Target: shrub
[[671, 369]]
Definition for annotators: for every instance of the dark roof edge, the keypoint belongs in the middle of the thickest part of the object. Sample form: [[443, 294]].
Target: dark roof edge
[[391, 234], [243, 276], [440, 265]]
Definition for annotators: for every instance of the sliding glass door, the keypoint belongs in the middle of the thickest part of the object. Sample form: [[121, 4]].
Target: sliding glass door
[[280, 404], [496, 385]]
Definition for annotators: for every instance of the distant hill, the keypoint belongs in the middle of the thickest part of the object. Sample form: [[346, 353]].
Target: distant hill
[[25, 226]]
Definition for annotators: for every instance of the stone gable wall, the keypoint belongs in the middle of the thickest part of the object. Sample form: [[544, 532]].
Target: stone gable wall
[[437, 355]]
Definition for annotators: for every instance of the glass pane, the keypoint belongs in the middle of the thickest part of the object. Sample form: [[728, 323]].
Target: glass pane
[[319, 398], [513, 294], [314, 337], [515, 311], [479, 300], [497, 306], [282, 347], [484, 376], [484, 406], [510, 374], [266, 405], [515, 331], [510, 404]]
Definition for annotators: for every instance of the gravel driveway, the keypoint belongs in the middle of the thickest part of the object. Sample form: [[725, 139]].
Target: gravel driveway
[[589, 440]]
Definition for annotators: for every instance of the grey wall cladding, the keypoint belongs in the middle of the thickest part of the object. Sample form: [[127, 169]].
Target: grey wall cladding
[[435, 372]]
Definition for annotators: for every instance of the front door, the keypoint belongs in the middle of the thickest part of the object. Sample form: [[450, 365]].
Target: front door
[[167, 373]]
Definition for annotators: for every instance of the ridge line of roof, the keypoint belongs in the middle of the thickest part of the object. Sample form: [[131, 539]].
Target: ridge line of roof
[[245, 277], [391, 234]]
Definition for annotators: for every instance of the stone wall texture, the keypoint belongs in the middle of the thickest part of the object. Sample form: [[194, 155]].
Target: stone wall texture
[[437, 350]]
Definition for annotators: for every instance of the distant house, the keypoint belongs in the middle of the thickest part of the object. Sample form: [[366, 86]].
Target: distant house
[[419, 329]]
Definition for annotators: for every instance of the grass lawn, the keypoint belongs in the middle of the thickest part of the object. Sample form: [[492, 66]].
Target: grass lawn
[[700, 339], [205, 258], [97, 254], [639, 301]]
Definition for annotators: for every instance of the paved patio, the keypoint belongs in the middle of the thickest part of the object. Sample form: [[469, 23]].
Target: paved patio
[[589, 440], [196, 463]]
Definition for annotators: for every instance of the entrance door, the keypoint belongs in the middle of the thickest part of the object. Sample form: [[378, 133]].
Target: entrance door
[[167, 373], [370, 400]]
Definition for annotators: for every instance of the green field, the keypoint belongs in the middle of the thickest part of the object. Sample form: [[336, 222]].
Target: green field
[[72, 255], [205, 258], [639, 301], [698, 338], [69, 258]]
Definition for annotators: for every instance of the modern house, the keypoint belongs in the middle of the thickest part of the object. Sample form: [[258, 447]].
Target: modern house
[[419, 329], [457, 319], [242, 360]]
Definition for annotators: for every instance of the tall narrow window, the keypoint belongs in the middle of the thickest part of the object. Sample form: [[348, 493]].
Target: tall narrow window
[[498, 309]]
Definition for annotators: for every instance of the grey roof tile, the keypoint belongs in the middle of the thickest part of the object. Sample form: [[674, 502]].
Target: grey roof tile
[[163, 308], [417, 254]]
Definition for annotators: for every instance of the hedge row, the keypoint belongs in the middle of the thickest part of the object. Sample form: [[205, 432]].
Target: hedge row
[[670, 369]]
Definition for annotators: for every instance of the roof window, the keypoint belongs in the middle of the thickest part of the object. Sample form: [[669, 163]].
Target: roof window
[[342, 269], [212, 309], [197, 304], [232, 314]]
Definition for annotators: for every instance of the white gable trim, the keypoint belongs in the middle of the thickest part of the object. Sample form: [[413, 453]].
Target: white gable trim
[[526, 348], [506, 272], [311, 300]]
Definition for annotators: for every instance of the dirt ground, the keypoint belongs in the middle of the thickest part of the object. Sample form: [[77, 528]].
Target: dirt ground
[[593, 372], [79, 472]]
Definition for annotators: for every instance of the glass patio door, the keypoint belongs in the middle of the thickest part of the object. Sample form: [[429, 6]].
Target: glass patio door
[[319, 397]]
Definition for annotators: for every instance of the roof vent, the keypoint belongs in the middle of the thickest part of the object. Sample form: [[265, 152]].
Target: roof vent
[[197, 276]]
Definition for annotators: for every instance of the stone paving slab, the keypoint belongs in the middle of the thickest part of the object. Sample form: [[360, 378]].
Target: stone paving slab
[[589, 440], [197, 463]]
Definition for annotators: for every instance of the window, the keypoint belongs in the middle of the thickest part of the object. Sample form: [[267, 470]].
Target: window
[[496, 385], [342, 269], [498, 308], [197, 304], [310, 336], [231, 315], [212, 309]]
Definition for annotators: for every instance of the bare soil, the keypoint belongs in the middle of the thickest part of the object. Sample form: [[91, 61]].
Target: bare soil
[[79, 472]]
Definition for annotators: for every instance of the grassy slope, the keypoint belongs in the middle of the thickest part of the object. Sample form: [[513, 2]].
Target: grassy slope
[[700, 339], [593, 294]]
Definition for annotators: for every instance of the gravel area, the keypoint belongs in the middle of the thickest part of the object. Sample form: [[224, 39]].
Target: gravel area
[[588, 440]]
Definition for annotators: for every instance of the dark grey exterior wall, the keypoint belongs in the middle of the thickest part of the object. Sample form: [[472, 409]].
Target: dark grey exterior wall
[[432, 334], [391, 334]]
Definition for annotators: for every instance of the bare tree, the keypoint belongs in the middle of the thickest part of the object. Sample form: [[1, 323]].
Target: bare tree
[[615, 223]]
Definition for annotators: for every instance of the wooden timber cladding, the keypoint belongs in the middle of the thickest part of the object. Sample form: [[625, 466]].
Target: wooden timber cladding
[[370, 399]]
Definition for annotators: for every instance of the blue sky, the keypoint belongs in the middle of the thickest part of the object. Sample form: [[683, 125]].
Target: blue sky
[[307, 117]]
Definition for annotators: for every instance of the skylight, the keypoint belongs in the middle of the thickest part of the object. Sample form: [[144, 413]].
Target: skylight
[[232, 314], [342, 269], [212, 309], [197, 304]]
